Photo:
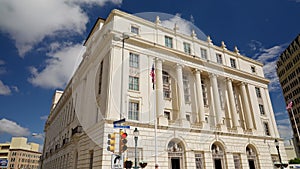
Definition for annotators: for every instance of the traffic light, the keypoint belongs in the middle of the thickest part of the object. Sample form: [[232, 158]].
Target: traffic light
[[111, 142], [123, 141]]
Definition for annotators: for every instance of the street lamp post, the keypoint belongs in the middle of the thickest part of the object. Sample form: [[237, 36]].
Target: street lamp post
[[277, 147], [136, 135]]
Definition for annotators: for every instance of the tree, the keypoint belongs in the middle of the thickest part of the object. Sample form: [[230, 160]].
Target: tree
[[295, 161]]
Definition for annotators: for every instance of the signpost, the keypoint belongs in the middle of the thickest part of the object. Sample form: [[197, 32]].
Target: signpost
[[3, 163], [117, 124], [116, 161]]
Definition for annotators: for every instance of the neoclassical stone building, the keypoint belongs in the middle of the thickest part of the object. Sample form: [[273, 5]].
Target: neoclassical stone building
[[209, 107]]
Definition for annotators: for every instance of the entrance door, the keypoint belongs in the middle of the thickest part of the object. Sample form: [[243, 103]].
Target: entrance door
[[175, 162], [251, 164], [218, 164]]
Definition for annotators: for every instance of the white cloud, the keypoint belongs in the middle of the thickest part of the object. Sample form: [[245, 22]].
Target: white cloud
[[4, 89], [29, 22], [12, 128], [45, 117], [269, 58], [183, 25], [60, 66], [285, 131], [38, 135]]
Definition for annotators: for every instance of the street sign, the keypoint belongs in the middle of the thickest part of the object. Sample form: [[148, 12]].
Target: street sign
[[119, 121], [3, 163], [116, 161], [122, 127]]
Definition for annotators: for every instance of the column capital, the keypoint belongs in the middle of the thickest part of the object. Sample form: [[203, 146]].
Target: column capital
[[243, 83], [177, 66], [212, 75], [156, 59], [196, 71], [229, 79]]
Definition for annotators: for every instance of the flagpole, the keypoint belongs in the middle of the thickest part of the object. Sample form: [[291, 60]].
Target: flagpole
[[295, 123]]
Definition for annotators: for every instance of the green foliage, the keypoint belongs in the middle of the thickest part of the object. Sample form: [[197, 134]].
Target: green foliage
[[295, 161]]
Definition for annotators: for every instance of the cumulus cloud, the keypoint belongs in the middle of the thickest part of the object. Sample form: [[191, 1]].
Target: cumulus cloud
[[184, 26], [60, 66], [4, 89], [29, 22], [12, 128], [269, 58]]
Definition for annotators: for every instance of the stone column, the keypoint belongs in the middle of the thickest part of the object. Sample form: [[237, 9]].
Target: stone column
[[181, 100], [234, 118], [159, 87], [216, 96], [246, 105], [200, 108]]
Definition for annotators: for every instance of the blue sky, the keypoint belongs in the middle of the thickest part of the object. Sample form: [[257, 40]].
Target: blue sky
[[41, 42]]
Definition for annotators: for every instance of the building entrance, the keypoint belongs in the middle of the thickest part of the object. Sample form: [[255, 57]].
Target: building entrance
[[176, 154], [175, 162]]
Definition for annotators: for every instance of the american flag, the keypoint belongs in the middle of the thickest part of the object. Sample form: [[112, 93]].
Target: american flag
[[152, 74], [290, 105]]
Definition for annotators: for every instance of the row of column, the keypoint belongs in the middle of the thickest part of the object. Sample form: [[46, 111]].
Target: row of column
[[199, 95]]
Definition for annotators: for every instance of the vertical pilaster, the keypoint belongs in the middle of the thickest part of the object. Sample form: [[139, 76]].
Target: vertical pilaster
[[234, 118], [216, 96], [246, 105], [159, 87], [200, 108], [180, 92]]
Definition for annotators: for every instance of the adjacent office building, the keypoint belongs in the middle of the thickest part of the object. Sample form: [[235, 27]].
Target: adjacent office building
[[288, 71], [195, 104], [20, 154]]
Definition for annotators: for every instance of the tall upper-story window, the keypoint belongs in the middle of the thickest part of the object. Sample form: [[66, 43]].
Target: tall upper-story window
[[135, 30], [204, 93], [187, 48], [266, 127], [133, 83], [186, 87], [133, 112], [219, 58], [257, 90], [203, 53], [168, 41], [261, 109], [253, 70], [134, 60], [232, 63], [100, 77], [166, 84]]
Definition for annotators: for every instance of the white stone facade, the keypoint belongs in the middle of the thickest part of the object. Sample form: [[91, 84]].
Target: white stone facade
[[211, 105]]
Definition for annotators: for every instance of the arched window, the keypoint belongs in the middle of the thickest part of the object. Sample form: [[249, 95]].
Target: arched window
[[252, 157], [175, 154], [218, 156]]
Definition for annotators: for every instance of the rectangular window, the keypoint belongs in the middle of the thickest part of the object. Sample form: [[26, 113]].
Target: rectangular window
[[91, 159], [186, 88], [199, 159], [237, 161], [267, 131], [188, 117], [168, 42], [133, 60], [219, 58], [166, 85], [133, 113], [135, 30], [100, 77], [253, 69], [257, 90], [261, 109], [232, 63], [221, 97], [204, 93], [203, 53], [133, 83], [187, 48], [167, 115]]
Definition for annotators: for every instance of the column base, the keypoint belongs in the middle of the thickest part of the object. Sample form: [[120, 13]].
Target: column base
[[238, 129], [163, 121], [185, 124], [221, 127]]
